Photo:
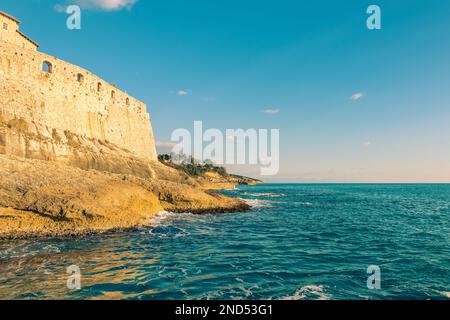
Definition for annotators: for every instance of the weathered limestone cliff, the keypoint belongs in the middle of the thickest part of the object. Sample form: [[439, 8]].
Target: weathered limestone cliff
[[29, 139]]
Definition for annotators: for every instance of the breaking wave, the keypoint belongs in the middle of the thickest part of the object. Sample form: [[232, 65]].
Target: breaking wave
[[445, 294], [258, 203], [268, 195], [309, 292]]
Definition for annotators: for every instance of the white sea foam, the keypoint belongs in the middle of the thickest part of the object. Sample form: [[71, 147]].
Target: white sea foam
[[160, 217], [303, 203], [164, 216], [269, 195], [27, 249], [310, 292], [257, 203], [165, 219], [173, 225]]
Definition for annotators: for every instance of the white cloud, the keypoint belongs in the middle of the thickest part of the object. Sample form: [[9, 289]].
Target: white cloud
[[165, 144], [107, 5], [271, 111], [357, 96], [183, 92]]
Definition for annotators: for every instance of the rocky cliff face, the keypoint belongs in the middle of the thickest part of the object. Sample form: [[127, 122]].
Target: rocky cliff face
[[19, 137]]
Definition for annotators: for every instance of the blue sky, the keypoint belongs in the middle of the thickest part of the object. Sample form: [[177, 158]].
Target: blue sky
[[236, 59]]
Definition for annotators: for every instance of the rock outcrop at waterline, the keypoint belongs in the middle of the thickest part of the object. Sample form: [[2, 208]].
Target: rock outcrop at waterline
[[42, 198]]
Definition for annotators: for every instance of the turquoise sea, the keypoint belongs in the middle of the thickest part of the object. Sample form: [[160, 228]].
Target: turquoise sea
[[301, 241]]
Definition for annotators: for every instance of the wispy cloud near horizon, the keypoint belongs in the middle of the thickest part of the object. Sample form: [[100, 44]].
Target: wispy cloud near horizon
[[357, 96], [104, 5], [183, 92], [164, 144], [271, 111]]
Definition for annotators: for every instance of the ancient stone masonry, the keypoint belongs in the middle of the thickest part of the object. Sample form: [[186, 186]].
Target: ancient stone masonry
[[60, 105]]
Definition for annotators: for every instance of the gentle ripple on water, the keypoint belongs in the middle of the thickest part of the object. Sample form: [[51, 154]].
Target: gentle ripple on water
[[299, 242]]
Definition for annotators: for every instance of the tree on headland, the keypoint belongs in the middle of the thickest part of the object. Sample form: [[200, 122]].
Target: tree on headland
[[190, 165]]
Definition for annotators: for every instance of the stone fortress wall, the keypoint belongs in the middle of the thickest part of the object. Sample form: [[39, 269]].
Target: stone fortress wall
[[49, 92]]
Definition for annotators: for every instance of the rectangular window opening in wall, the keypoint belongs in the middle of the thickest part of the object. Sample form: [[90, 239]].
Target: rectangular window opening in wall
[[5, 26]]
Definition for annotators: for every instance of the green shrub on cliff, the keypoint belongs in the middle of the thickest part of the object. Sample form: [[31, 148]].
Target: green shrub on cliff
[[190, 165]]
